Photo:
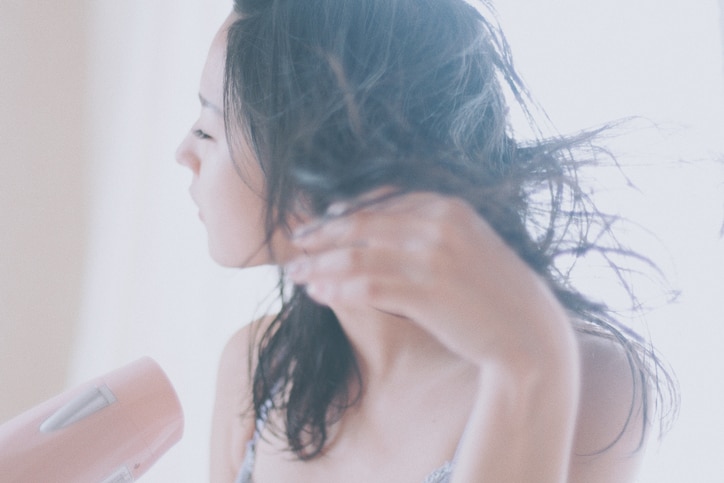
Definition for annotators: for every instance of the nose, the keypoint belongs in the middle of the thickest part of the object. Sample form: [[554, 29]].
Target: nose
[[185, 154]]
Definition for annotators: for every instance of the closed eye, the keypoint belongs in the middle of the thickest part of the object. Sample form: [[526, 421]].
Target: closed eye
[[201, 134]]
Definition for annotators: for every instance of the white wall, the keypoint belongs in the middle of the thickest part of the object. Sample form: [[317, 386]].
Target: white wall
[[149, 286], [102, 256], [590, 62], [42, 195]]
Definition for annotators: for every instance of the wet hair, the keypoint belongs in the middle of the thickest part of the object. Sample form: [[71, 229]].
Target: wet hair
[[339, 97]]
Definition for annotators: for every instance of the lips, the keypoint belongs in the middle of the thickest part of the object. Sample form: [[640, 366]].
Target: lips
[[193, 198]]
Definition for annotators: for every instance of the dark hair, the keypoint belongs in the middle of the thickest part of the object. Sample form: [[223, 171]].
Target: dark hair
[[339, 97]]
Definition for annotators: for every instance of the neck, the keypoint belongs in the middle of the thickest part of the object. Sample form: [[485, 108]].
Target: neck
[[390, 348]]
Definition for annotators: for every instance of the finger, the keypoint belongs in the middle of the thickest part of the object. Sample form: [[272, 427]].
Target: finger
[[373, 226], [375, 201], [339, 263], [387, 294], [361, 276], [351, 291]]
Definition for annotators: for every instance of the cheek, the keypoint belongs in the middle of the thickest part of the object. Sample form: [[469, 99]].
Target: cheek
[[239, 228]]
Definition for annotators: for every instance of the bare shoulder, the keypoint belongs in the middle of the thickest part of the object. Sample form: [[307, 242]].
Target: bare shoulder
[[609, 430], [233, 421]]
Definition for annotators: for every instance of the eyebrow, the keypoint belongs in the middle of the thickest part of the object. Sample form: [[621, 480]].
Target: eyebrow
[[205, 103]]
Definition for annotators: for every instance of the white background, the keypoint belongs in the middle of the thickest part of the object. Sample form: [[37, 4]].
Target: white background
[[591, 62]]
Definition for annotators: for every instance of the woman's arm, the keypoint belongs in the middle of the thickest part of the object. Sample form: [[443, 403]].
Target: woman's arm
[[434, 261], [522, 424], [608, 439]]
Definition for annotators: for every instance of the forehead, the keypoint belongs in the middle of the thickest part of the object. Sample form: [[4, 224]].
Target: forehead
[[212, 77]]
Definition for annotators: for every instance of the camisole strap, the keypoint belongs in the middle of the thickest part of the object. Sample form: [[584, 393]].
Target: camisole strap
[[247, 467], [440, 475]]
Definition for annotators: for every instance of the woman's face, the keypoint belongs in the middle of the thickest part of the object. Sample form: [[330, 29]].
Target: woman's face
[[231, 208]]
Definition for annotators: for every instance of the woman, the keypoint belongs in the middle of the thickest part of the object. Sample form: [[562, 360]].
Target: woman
[[426, 333]]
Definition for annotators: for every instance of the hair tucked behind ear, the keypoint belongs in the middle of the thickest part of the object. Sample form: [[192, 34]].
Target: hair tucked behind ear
[[339, 97]]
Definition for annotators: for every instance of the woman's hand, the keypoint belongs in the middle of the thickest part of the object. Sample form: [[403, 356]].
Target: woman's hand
[[434, 260]]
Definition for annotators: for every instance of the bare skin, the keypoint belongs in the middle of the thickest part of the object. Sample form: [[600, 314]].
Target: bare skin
[[415, 432], [461, 347]]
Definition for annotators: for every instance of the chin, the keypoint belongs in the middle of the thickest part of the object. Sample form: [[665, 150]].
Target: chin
[[229, 260], [237, 259]]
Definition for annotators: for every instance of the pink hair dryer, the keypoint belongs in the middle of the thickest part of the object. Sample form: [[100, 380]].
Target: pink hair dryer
[[108, 430]]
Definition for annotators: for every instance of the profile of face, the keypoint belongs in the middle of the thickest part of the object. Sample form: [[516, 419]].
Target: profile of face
[[230, 206]]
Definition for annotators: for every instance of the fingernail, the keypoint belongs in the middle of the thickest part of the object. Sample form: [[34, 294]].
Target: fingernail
[[337, 208]]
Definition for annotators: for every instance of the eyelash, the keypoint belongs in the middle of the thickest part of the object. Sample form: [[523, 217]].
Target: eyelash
[[201, 134]]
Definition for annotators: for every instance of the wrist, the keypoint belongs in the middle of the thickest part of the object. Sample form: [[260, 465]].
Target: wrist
[[543, 370]]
